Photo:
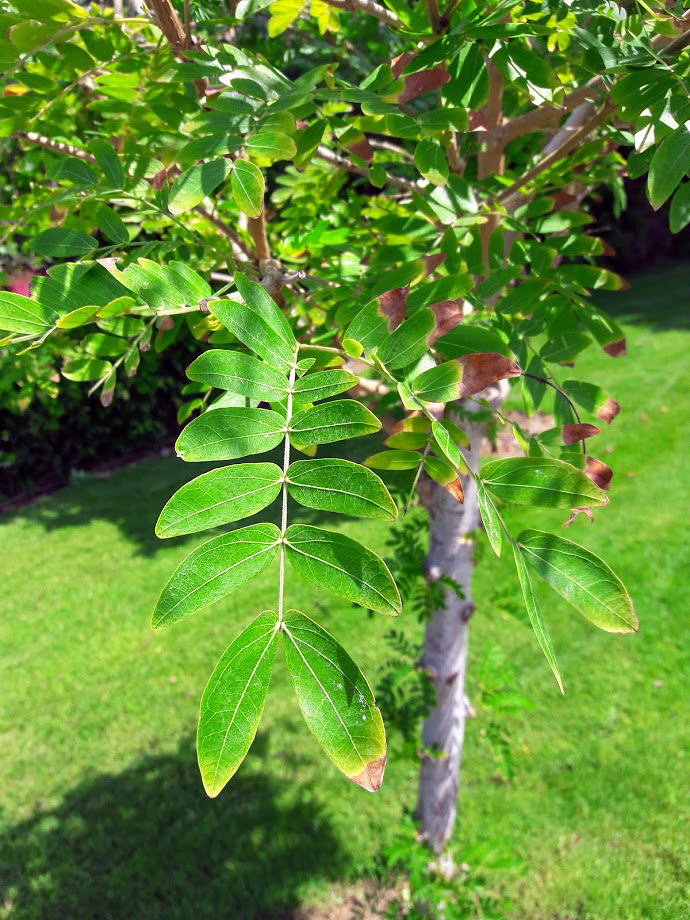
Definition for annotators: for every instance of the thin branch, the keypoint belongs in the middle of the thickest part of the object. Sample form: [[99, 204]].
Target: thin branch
[[554, 386], [434, 16], [372, 9], [336, 160], [555, 155]]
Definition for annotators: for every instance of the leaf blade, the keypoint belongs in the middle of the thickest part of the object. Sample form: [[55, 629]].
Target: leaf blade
[[336, 701], [344, 566], [219, 497], [572, 571], [340, 486], [214, 570], [233, 702], [230, 433], [541, 481]]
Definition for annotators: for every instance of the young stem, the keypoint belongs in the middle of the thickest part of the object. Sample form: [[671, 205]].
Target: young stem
[[286, 464]]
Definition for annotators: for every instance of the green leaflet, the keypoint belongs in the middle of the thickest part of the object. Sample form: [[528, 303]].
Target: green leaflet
[[671, 161], [272, 145], [538, 625], [369, 328], [23, 315], [108, 160], [340, 486], [233, 702], [471, 340], [197, 183], [394, 460], [227, 434], [430, 160], [332, 421], [238, 373], [445, 444], [408, 342], [344, 566], [321, 385], [218, 497], [255, 332], [214, 570], [61, 243], [582, 578], [541, 481], [336, 701], [86, 369], [492, 522], [247, 184], [111, 224], [257, 299], [439, 384]]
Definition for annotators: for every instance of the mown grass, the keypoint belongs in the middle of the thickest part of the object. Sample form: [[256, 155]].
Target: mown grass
[[103, 814]]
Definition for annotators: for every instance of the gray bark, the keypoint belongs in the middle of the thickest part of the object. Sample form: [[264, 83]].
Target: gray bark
[[451, 552]]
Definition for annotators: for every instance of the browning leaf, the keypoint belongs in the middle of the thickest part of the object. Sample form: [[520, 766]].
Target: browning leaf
[[609, 410], [600, 474], [573, 433], [456, 490], [399, 63], [616, 349], [392, 306], [574, 513], [362, 149], [432, 262], [159, 179], [448, 315], [422, 82], [371, 776], [479, 371]]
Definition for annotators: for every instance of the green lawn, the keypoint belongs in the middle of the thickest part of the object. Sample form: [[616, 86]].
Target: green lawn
[[102, 811]]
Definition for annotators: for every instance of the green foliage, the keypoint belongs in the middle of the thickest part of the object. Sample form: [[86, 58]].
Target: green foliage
[[397, 206]]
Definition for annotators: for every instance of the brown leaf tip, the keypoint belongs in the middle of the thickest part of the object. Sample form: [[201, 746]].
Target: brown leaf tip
[[480, 371], [600, 474], [616, 349], [448, 315], [609, 410], [573, 433], [371, 776], [392, 306], [456, 490]]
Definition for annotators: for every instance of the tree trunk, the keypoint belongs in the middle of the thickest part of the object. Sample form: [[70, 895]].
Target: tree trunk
[[451, 552]]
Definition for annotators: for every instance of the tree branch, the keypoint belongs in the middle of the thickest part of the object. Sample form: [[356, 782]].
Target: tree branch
[[336, 160], [434, 16], [372, 9]]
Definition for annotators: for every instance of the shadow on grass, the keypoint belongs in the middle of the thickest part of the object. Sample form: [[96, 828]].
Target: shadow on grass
[[132, 497], [147, 843], [658, 299]]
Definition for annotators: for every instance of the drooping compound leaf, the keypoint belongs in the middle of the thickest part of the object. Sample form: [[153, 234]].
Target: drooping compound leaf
[[218, 497], [340, 486], [332, 421], [336, 701], [214, 570], [197, 183], [233, 702], [238, 373], [538, 625], [323, 384], [541, 481], [228, 434], [344, 566], [582, 578]]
